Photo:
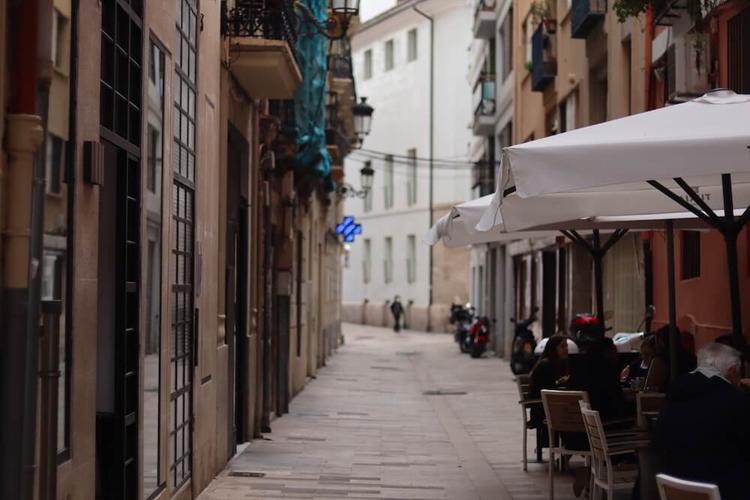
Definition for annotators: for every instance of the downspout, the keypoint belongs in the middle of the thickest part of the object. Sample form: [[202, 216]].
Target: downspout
[[21, 239], [431, 157]]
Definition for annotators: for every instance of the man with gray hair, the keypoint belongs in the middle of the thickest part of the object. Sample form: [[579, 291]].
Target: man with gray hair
[[703, 432]]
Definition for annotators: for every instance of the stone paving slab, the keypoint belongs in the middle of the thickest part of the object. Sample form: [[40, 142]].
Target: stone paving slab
[[366, 429]]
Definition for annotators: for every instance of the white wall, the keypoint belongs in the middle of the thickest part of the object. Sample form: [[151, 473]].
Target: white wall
[[401, 122]]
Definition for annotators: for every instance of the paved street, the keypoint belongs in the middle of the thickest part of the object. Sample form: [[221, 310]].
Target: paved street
[[365, 429]]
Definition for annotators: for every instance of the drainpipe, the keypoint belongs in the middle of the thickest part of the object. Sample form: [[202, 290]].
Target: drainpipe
[[432, 152], [21, 240], [648, 38]]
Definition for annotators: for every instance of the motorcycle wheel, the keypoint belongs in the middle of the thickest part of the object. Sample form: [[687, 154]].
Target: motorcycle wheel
[[477, 350]]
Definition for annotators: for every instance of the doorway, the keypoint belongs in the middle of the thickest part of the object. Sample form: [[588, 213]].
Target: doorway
[[117, 377], [236, 253]]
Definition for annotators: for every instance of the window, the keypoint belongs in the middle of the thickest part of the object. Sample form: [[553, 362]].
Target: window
[[738, 55], [368, 64], [505, 46], [388, 178], [388, 263], [184, 314], [411, 258], [366, 261], [367, 200], [691, 254], [411, 53], [152, 353], [55, 164], [411, 180], [59, 39], [567, 112], [154, 157], [389, 55]]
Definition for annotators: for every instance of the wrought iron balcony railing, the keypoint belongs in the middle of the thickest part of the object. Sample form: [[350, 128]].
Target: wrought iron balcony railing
[[585, 15], [485, 96], [484, 6], [543, 63], [272, 20]]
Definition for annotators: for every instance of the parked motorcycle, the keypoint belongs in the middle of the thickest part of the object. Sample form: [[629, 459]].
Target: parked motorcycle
[[462, 316], [479, 336], [522, 354]]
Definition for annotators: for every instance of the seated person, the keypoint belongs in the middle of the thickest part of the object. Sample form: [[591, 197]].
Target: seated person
[[650, 367], [686, 361], [596, 372], [550, 372], [702, 433]]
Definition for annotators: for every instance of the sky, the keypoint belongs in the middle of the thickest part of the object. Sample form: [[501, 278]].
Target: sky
[[371, 8]]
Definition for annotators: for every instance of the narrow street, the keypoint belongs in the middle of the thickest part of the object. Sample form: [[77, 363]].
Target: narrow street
[[368, 428]]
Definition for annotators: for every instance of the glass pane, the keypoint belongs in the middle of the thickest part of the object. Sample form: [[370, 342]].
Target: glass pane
[[152, 338]]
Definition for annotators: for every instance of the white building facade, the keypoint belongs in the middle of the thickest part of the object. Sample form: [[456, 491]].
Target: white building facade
[[492, 83], [392, 58]]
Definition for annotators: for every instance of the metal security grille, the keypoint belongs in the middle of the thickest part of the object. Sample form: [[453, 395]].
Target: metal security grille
[[183, 227], [120, 82], [120, 119]]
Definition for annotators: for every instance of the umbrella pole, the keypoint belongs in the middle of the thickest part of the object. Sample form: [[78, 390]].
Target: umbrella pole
[[597, 252], [673, 334], [598, 256], [730, 232]]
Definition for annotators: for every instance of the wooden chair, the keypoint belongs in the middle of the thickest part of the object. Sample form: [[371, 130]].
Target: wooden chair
[[648, 405], [525, 401], [563, 414], [671, 488], [605, 475]]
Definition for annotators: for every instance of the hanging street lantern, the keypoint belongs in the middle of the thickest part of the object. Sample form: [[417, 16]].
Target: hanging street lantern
[[348, 8], [366, 177], [362, 118]]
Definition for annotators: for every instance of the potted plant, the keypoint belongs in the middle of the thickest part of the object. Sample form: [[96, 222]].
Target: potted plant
[[529, 66], [634, 8], [541, 11]]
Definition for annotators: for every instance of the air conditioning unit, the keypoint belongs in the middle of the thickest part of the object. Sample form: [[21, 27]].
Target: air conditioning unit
[[688, 67]]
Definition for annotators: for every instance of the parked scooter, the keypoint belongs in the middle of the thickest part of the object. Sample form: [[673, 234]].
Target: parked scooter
[[522, 354], [462, 316], [479, 336]]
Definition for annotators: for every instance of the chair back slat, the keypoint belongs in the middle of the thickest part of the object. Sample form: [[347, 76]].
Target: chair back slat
[[523, 382], [595, 432], [672, 488], [563, 411], [648, 403]]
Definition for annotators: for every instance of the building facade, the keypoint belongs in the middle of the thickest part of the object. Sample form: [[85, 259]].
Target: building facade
[[575, 63], [180, 254], [406, 61]]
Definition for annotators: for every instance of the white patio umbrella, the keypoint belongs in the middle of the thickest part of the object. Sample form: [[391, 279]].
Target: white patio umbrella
[[696, 155], [458, 227]]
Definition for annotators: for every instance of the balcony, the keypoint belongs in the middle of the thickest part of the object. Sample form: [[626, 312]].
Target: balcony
[[261, 48], [484, 105], [484, 19], [543, 63], [585, 15]]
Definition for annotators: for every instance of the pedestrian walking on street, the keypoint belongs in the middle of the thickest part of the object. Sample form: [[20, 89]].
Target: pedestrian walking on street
[[397, 310]]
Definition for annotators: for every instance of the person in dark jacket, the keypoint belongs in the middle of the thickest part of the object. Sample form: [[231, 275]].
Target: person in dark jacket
[[703, 433], [550, 372], [397, 310], [597, 373]]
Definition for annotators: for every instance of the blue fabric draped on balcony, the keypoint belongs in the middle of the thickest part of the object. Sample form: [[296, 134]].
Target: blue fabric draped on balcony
[[309, 102]]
